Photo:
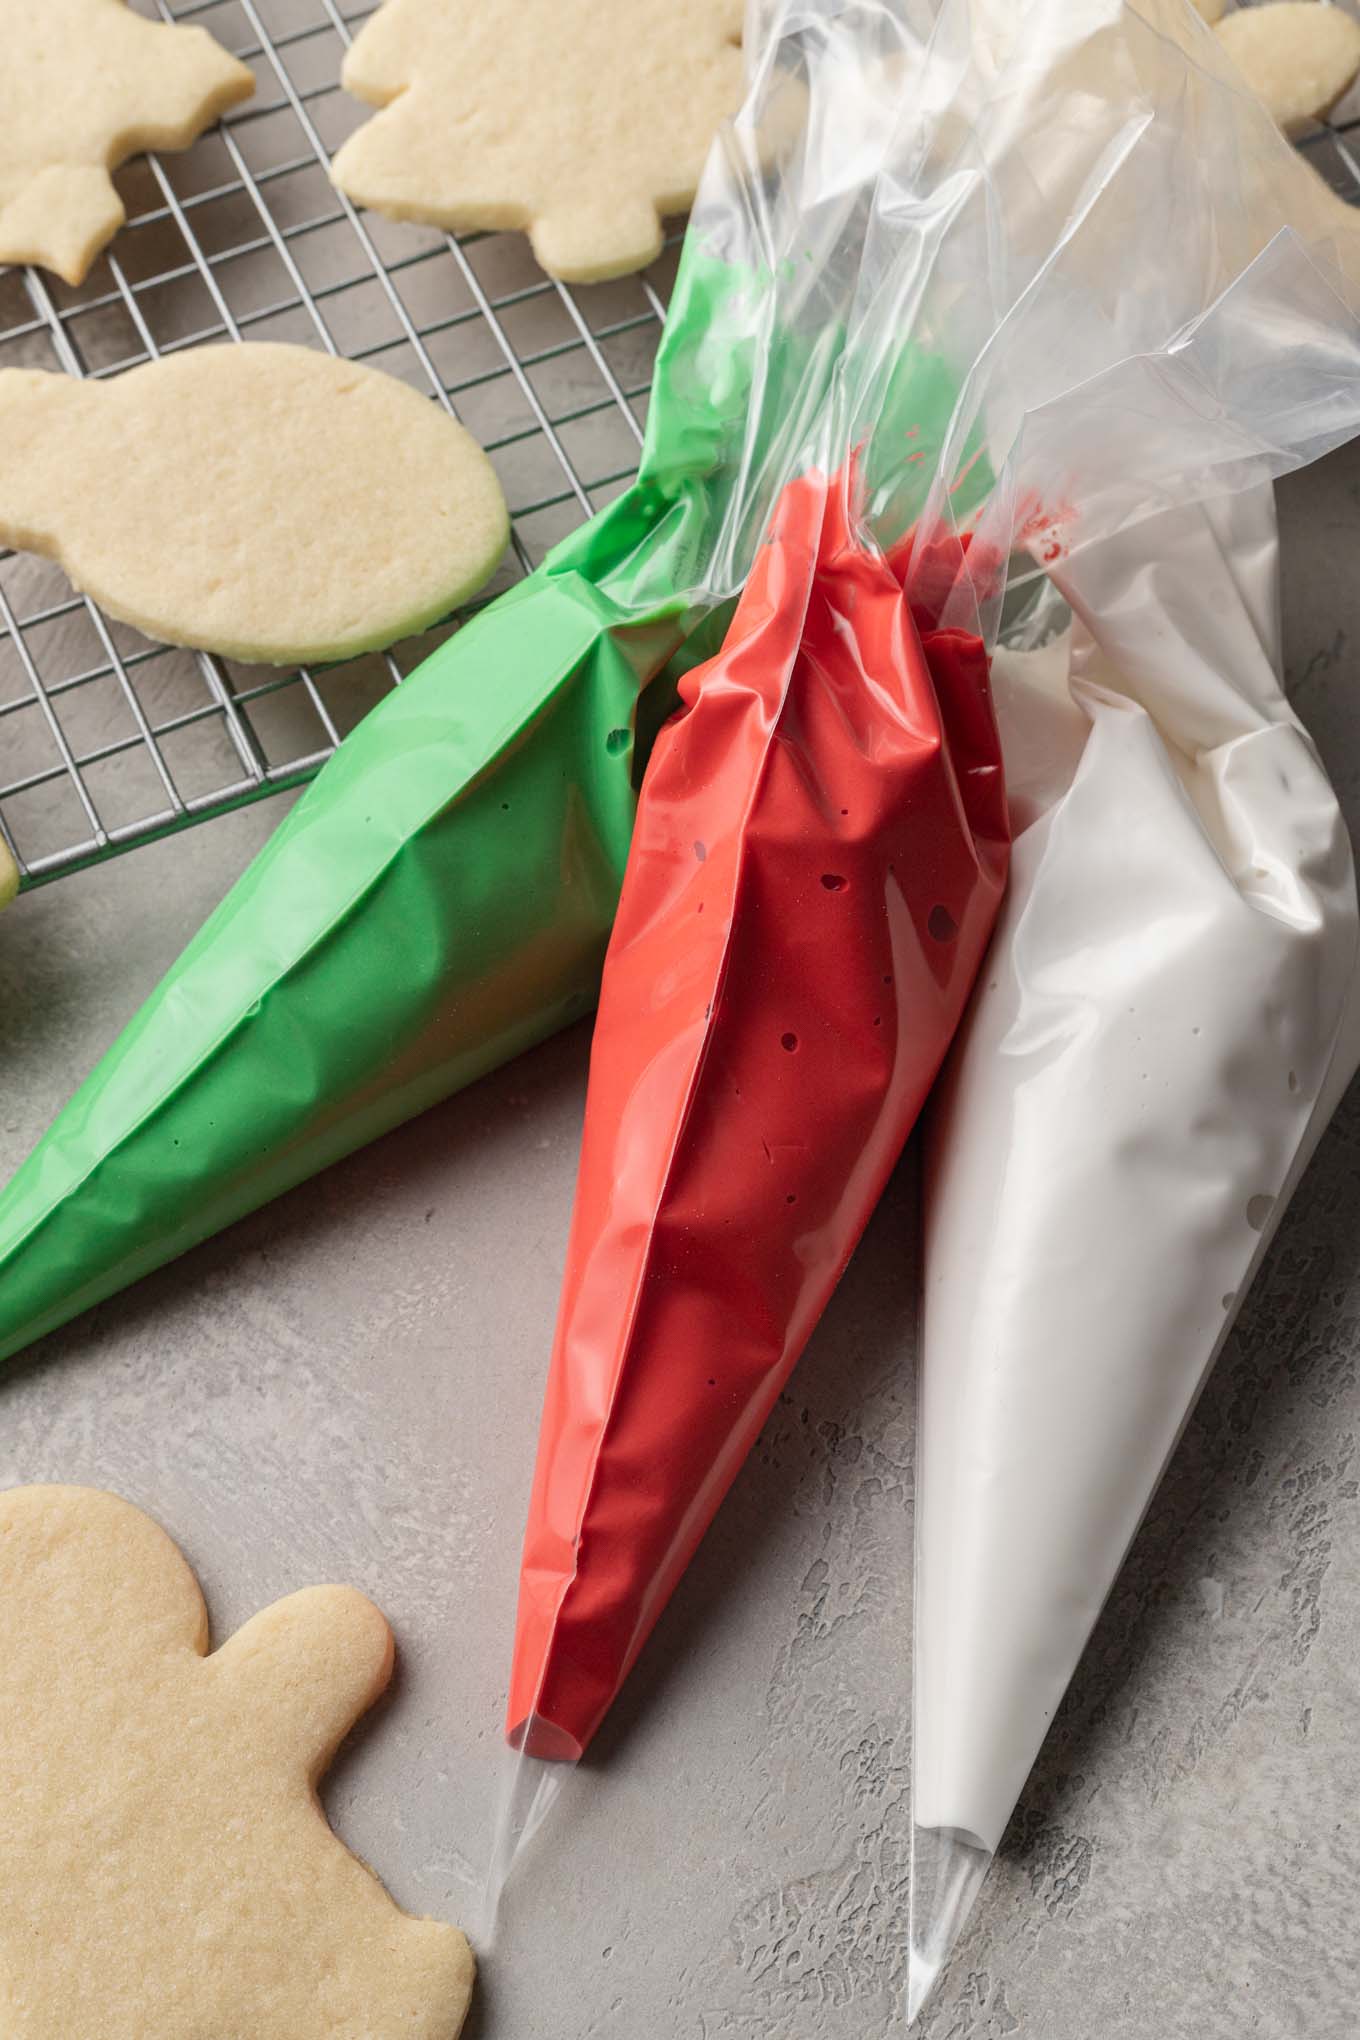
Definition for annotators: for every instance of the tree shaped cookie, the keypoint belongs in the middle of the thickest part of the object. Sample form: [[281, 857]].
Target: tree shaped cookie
[[264, 501], [166, 1868], [84, 84], [583, 120]]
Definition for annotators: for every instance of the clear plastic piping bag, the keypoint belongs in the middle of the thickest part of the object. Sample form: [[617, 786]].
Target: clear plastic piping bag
[[817, 865], [1168, 1018], [1168, 1013]]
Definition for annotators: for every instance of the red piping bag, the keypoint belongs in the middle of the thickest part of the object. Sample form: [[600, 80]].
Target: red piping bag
[[819, 855]]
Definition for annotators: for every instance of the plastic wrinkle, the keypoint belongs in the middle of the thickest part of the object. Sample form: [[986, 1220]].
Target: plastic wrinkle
[[819, 856]]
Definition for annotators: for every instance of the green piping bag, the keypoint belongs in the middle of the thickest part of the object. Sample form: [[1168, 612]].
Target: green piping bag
[[439, 899]]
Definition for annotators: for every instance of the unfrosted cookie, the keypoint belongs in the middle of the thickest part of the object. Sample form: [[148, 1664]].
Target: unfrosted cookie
[[166, 1867], [584, 121], [84, 84], [264, 501], [1210, 10], [1300, 56]]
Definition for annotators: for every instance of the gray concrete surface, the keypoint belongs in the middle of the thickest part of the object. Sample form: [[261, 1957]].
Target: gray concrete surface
[[346, 1386]]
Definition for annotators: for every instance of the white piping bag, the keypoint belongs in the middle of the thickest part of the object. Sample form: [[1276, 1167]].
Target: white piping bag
[[1167, 1020], [1169, 1011]]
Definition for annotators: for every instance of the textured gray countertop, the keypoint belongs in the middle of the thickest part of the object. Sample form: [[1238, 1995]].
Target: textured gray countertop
[[346, 1386]]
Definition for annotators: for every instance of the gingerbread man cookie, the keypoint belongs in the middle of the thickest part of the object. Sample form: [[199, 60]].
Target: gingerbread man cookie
[[166, 1867], [584, 121], [84, 84]]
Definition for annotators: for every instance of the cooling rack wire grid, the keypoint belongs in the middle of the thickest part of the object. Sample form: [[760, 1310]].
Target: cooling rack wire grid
[[108, 740]]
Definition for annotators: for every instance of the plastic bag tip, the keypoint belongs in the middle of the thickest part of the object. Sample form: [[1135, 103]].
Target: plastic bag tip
[[536, 1736], [527, 1791], [921, 1978], [947, 1873]]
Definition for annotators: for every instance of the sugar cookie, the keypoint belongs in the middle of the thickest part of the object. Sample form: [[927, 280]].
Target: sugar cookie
[[583, 120], [264, 501], [1299, 56], [85, 84], [166, 1866]]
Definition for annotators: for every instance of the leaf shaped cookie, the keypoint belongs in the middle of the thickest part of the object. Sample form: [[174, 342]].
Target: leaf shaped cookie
[[264, 501], [583, 120], [166, 1867], [84, 84]]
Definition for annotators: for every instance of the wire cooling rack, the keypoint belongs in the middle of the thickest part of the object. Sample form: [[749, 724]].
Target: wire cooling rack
[[108, 740]]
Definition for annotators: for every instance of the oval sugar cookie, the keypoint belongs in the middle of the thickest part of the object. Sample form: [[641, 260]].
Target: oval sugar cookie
[[1299, 56], [267, 502], [584, 121]]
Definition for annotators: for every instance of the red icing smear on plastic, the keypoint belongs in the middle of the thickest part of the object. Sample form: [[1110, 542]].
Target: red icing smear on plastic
[[1039, 529], [819, 855]]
